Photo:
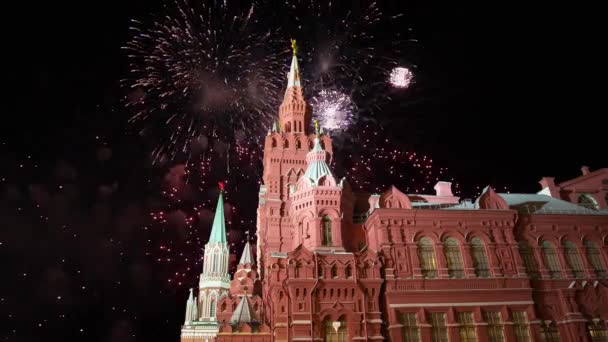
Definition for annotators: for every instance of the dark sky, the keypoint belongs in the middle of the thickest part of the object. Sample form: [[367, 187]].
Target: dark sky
[[507, 99]]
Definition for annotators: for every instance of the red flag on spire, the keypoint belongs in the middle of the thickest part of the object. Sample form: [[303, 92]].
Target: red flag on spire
[[221, 184]]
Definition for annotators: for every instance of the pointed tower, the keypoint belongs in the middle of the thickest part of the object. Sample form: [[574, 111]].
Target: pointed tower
[[214, 282], [285, 152], [245, 278], [294, 113]]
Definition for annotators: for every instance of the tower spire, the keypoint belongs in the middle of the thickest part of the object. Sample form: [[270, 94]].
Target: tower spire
[[218, 231], [246, 256], [293, 80]]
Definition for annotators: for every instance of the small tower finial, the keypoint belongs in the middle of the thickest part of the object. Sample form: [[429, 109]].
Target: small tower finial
[[316, 123], [294, 47]]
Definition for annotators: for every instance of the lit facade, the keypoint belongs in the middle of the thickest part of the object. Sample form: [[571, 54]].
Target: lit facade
[[334, 265]]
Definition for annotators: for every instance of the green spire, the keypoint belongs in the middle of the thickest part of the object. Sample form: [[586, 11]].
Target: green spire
[[218, 231]]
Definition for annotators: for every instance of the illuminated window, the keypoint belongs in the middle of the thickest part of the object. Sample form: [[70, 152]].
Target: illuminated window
[[574, 259], [520, 326], [495, 330], [595, 258], [336, 331], [410, 327], [528, 258], [439, 332], [426, 254], [597, 331], [327, 241], [467, 327], [453, 258], [587, 201], [551, 260], [480, 260], [549, 333]]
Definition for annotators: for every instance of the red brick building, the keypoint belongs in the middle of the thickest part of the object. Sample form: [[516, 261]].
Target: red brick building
[[333, 265]]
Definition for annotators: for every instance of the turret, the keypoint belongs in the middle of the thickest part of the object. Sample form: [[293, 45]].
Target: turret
[[316, 203]]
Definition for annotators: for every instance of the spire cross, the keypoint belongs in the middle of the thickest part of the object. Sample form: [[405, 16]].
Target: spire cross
[[247, 233]]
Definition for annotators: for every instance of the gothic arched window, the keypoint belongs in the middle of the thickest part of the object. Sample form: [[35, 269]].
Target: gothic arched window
[[551, 260], [348, 271], [595, 258], [327, 238], [574, 259], [480, 260], [453, 258], [528, 258], [426, 254], [212, 308]]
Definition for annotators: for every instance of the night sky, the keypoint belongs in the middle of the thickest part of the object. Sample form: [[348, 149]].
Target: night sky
[[502, 99]]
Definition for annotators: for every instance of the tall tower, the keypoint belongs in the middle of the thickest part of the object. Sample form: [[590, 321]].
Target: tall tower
[[285, 150], [201, 323]]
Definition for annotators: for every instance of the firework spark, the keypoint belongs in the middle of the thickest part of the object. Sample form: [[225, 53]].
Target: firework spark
[[401, 77], [333, 109]]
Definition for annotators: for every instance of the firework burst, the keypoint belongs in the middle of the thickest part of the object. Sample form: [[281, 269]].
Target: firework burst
[[202, 70], [333, 109], [341, 49]]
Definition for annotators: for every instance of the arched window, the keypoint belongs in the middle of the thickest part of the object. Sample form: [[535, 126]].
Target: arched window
[[327, 238], [274, 142], [336, 331], [551, 260], [595, 259], [528, 258], [288, 127], [348, 272], [411, 331], [298, 144], [212, 308], [453, 258], [426, 254], [587, 201], [286, 143], [334, 271], [480, 260], [224, 306], [574, 259]]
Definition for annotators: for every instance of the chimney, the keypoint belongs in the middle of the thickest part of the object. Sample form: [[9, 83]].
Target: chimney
[[443, 189], [585, 170], [548, 187]]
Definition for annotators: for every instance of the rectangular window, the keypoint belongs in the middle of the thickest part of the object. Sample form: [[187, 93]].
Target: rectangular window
[[467, 327], [495, 330], [598, 332], [410, 327], [550, 333], [520, 326], [439, 332]]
